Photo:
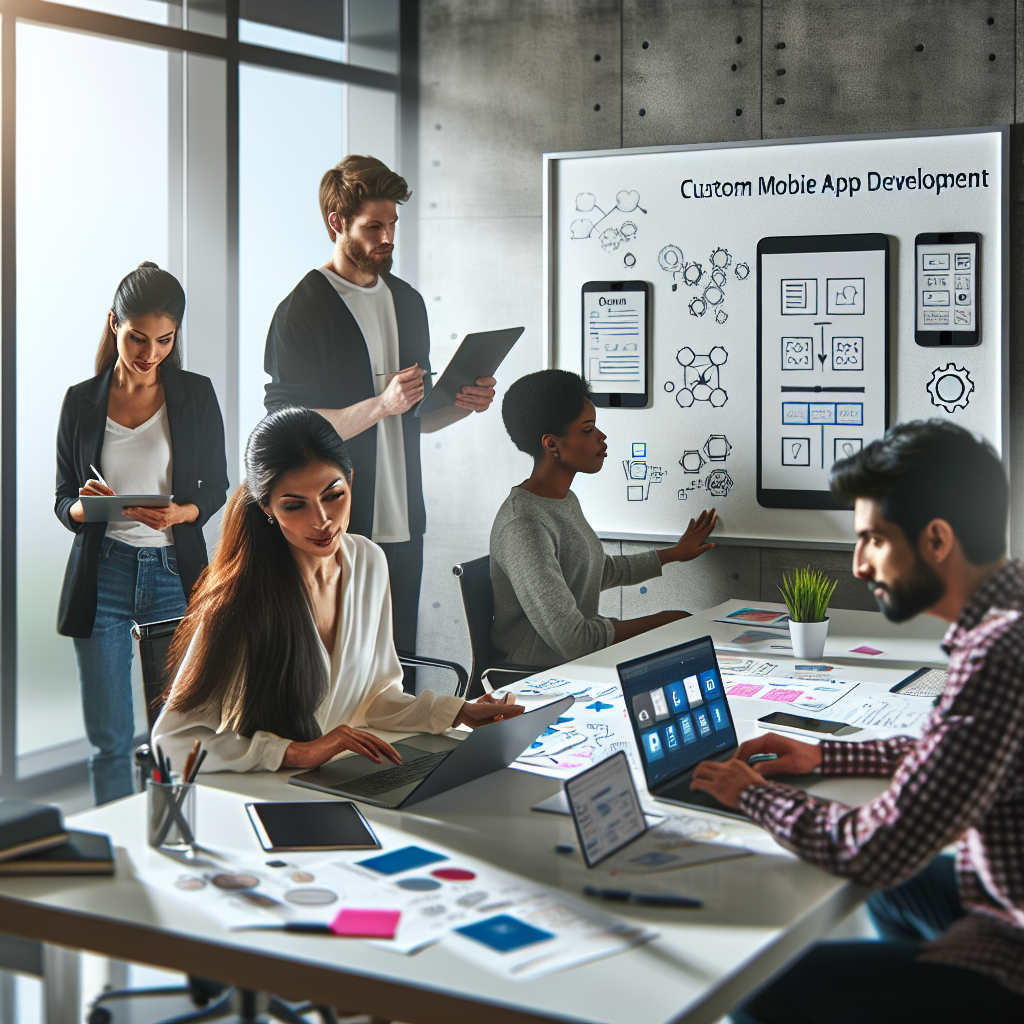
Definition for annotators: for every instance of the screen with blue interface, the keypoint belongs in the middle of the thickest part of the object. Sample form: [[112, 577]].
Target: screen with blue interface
[[678, 708]]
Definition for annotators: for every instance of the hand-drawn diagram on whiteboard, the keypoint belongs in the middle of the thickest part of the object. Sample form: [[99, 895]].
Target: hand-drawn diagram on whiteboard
[[821, 359], [717, 483], [950, 387], [702, 381], [711, 280], [611, 236], [640, 474]]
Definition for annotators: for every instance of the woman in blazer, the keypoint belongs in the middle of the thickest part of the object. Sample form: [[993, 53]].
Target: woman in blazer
[[148, 427]]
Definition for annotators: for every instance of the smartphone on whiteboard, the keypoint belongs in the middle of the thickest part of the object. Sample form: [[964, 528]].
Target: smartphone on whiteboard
[[616, 342], [947, 288]]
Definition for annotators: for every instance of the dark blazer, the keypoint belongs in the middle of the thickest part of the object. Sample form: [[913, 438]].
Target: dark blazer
[[199, 475], [316, 357]]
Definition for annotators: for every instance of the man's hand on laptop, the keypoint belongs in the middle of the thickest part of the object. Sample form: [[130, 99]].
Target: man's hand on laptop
[[316, 752], [487, 710], [725, 780]]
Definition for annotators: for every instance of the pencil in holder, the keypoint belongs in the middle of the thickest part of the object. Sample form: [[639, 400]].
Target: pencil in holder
[[171, 814]]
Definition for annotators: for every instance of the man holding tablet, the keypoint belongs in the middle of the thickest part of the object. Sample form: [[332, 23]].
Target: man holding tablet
[[953, 931]]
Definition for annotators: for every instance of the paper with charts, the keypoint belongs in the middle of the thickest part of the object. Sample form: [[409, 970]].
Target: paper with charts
[[822, 362], [789, 694], [504, 922]]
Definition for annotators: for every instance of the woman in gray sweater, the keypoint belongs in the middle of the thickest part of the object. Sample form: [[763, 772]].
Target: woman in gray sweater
[[548, 567]]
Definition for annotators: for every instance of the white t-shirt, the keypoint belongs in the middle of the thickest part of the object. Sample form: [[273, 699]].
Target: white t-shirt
[[138, 462], [374, 312]]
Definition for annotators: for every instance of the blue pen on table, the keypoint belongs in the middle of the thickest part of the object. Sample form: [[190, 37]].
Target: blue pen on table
[[645, 899]]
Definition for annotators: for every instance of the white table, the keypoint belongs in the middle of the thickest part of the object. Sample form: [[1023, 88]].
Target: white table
[[760, 911]]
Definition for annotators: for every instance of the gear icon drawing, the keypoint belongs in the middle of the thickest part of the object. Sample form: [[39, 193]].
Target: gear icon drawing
[[718, 483], [671, 258], [950, 387], [692, 273], [698, 307], [720, 258]]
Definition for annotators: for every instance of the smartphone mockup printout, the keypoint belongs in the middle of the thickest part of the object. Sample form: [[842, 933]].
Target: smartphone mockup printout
[[616, 342], [822, 360], [947, 288]]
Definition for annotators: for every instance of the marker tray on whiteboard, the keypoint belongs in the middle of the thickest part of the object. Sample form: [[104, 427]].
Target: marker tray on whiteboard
[[822, 360]]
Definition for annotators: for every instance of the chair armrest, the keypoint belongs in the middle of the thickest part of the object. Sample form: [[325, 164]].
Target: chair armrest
[[419, 660], [510, 674]]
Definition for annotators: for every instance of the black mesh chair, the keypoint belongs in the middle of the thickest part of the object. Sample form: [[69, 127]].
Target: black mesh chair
[[488, 663]]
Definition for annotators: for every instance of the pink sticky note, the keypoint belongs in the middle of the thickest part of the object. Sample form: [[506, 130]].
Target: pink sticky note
[[744, 690], [787, 696], [366, 924], [865, 650]]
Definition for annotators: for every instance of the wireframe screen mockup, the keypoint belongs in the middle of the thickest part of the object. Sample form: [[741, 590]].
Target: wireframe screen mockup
[[615, 341], [678, 708]]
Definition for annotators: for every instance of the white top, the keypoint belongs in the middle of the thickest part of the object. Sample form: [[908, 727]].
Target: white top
[[138, 462], [374, 312], [364, 688]]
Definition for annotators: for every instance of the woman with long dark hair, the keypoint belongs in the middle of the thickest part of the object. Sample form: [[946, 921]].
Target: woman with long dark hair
[[148, 427], [286, 655]]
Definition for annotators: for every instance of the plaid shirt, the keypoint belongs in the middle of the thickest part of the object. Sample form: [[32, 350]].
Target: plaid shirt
[[963, 781]]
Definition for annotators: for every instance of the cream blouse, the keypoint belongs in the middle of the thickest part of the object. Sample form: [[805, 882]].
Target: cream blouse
[[365, 680]]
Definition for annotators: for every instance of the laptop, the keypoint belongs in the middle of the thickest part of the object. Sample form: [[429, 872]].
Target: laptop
[[432, 764], [680, 716]]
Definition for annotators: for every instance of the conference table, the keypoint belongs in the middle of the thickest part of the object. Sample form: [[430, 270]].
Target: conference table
[[759, 911]]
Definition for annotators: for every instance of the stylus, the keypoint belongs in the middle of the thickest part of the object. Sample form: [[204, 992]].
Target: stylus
[[649, 899], [303, 927], [99, 477]]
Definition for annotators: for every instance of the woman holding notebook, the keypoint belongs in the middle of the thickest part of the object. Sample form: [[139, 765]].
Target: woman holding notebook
[[286, 655], [141, 425]]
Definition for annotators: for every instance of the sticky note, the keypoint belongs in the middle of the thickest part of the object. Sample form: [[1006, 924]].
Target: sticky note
[[405, 859], [864, 649], [504, 933], [366, 924]]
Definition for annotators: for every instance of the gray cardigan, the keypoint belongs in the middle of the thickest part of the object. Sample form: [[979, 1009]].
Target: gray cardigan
[[548, 569]]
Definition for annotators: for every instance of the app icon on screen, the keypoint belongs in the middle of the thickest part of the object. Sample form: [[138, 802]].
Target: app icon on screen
[[671, 738], [686, 728], [643, 708], [716, 709], [676, 696], [712, 684], [652, 745], [703, 723], [660, 705], [693, 694]]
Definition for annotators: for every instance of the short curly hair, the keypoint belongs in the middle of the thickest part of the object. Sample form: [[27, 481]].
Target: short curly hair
[[540, 403], [357, 180]]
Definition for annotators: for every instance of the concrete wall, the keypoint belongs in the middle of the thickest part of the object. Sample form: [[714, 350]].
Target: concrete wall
[[503, 81]]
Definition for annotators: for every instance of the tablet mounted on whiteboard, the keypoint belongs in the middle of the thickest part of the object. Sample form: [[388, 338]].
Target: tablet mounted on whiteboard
[[946, 279], [616, 342], [107, 508], [479, 355]]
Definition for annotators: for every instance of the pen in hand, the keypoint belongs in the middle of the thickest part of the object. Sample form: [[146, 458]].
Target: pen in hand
[[99, 477]]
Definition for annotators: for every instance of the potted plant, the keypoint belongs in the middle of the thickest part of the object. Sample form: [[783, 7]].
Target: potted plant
[[807, 594]]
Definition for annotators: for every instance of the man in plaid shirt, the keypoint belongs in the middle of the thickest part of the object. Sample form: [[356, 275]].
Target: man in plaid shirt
[[930, 507]]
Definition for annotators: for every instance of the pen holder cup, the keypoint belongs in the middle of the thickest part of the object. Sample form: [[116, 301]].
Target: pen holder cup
[[171, 814]]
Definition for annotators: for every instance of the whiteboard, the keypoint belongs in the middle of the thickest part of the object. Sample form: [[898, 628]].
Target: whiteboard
[[689, 219]]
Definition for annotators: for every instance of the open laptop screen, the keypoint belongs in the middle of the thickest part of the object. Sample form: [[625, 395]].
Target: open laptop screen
[[678, 708]]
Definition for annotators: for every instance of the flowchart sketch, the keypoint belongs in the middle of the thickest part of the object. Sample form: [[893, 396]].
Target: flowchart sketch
[[845, 296], [796, 451], [822, 381], [846, 447], [798, 353], [800, 297], [611, 236], [847, 353], [702, 380]]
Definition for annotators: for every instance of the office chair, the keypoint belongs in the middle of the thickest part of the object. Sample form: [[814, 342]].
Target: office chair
[[215, 1000], [488, 671]]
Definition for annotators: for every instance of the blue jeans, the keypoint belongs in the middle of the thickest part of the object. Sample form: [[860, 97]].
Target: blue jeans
[[884, 982], [134, 584]]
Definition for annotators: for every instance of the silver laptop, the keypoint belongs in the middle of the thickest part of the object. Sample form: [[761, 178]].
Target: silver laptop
[[680, 716], [433, 764]]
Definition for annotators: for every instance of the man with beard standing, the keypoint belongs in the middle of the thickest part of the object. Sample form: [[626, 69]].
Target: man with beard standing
[[352, 342], [930, 509]]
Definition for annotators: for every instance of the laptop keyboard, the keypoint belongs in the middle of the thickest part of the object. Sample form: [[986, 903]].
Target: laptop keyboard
[[400, 775]]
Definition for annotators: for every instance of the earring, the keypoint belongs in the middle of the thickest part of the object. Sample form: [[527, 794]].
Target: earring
[[270, 519], [555, 453]]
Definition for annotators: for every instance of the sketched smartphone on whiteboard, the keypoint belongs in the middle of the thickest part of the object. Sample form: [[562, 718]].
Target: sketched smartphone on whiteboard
[[947, 289], [822, 360], [616, 342]]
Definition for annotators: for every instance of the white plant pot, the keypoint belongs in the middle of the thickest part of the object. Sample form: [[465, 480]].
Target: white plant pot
[[808, 638]]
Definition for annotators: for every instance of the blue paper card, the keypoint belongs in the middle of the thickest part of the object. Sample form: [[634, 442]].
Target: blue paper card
[[504, 934], [405, 859]]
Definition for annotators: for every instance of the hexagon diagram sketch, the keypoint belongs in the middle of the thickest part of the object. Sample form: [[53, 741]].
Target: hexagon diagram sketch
[[711, 278], [701, 377], [950, 387], [610, 236]]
